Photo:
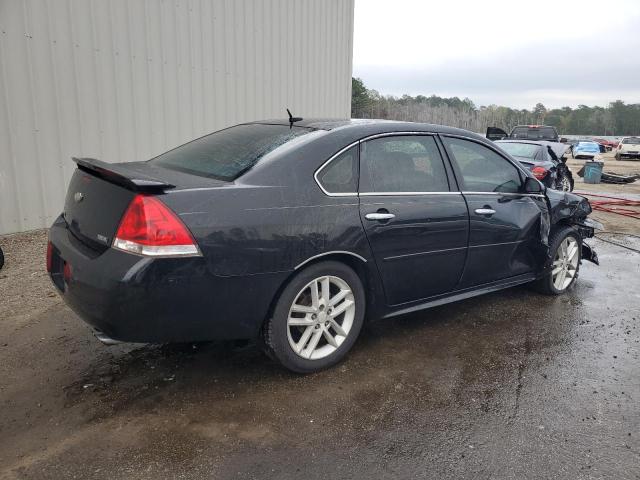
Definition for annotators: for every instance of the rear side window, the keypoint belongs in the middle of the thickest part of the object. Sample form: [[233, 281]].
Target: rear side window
[[482, 169], [402, 164], [227, 154], [341, 174]]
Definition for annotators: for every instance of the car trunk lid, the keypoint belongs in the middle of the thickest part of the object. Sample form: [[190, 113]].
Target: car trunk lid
[[99, 194]]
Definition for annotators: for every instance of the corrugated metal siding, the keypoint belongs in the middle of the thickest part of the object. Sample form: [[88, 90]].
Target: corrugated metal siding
[[124, 80]]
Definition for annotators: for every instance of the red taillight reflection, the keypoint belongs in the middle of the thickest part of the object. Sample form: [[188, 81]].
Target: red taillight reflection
[[539, 172], [66, 272], [49, 256]]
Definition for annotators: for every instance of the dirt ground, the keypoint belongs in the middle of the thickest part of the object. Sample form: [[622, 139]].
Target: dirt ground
[[508, 385], [612, 222]]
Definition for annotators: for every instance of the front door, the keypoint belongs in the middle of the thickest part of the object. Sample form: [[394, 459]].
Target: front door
[[504, 223], [416, 226]]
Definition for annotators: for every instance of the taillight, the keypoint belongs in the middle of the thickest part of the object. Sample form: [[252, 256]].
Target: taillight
[[150, 228], [49, 256], [539, 172], [619, 146]]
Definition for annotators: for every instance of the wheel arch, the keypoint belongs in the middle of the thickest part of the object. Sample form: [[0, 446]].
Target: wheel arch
[[361, 266]]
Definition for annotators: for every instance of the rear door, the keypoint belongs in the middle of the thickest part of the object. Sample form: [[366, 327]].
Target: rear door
[[504, 223], [416, 225]]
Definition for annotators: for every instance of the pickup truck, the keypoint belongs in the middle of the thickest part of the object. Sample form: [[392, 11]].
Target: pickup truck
[[525, 132]]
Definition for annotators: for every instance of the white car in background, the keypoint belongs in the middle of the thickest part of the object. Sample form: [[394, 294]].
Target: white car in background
[[629, 147]]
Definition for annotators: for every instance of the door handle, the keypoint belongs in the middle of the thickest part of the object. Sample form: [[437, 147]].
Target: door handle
[[485, 211], [379, 216]]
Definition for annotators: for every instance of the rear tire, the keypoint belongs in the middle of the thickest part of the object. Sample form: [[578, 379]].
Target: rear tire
[[564, 183], [305, 333], [565, 246]]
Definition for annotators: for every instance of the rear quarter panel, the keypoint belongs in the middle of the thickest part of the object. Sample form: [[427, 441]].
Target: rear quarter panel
[[275, 216], [249, 230]]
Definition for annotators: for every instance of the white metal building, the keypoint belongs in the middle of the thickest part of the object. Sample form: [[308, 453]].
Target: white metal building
[[124, 80]]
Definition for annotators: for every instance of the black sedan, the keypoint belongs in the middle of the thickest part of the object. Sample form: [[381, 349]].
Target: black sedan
[[545, 160], [293, 231]]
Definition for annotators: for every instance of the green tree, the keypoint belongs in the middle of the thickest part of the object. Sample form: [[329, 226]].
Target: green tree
[[359, 97]]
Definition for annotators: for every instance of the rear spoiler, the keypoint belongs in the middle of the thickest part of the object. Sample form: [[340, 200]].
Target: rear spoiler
[[122, 174]]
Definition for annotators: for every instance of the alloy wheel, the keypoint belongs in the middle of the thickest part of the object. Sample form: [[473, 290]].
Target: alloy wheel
[[321, 317], [565, 264]]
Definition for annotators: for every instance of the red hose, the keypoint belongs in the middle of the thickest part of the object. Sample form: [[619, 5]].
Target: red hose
[[613, 204]]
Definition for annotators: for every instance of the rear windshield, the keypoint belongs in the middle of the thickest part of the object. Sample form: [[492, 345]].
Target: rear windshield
[[588, 147], [631, 141], [525, 150], [227, 154], [529, 133]]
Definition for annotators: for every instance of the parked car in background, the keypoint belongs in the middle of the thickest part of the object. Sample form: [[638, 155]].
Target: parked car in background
[[525, 132], [291, 231], [629, 147], [545, 160], [607, 144], [586, 150]]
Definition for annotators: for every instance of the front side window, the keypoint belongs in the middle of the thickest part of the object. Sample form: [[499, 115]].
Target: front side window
[[341, 174], [482, 169], [402, 164]]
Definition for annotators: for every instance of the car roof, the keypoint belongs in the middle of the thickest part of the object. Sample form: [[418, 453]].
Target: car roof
[[370, 126], [531, 142]]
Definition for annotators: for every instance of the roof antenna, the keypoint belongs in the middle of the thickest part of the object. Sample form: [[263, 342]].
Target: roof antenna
[[293, 119]]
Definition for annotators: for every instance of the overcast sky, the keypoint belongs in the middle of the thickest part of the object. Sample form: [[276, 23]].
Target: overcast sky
[[510, 52]]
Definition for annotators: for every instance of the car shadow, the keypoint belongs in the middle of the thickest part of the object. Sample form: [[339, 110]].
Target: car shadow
[[466, 339]]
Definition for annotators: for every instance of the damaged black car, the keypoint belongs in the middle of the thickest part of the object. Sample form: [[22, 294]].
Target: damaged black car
[[294, 231]]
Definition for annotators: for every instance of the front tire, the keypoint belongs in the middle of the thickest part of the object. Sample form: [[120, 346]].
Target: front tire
[[317, 318], [566, 253]]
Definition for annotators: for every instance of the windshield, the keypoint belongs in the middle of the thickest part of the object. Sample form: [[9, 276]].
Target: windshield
[[525, 150], [227, 154], [631, 141]]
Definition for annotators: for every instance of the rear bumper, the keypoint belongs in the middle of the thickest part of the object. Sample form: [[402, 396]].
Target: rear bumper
[[157, 300], [623, 154]]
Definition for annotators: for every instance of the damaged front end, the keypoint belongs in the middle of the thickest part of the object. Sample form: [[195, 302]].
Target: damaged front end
[[569, 209]]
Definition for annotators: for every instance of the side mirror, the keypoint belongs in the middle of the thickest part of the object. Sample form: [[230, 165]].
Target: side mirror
[[531, 185]]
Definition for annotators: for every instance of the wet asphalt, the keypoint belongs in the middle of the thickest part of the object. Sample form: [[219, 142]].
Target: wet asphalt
[[508, 385]]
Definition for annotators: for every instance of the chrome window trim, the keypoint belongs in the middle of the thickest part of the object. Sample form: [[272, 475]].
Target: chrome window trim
[[398, 194], [505, 193], [329, 253], [325, 164], [357, 142]]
